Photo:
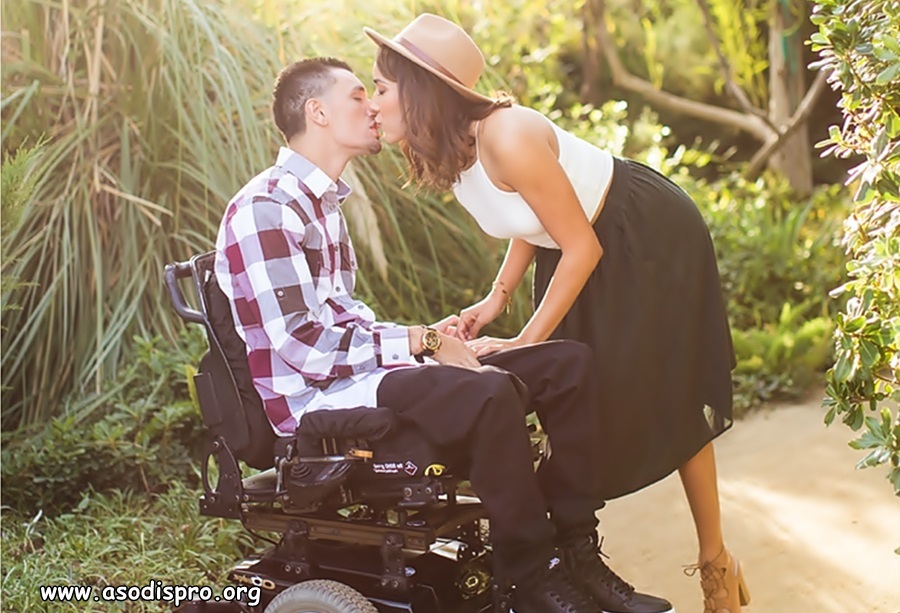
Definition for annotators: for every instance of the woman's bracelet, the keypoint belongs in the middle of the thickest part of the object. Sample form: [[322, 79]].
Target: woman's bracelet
[[500, 285]]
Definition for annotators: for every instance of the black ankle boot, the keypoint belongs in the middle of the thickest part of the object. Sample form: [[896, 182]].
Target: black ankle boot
[[551, 591], [584, 564]]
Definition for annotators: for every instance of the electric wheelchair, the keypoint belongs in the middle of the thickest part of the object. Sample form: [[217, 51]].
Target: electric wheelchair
[[371, 517]]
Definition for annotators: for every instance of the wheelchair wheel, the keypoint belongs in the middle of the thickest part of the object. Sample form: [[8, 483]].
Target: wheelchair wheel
[[320, 596]]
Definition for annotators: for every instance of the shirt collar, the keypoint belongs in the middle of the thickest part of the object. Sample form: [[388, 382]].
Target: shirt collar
[[311, 175]]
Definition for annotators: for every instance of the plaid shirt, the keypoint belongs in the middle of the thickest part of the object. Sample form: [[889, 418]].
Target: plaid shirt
[[285, 261]]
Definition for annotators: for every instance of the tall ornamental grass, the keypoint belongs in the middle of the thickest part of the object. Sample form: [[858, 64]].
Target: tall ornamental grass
[[155, 112]]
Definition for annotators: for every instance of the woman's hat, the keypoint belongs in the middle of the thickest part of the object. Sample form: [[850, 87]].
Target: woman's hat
[[442, 48]]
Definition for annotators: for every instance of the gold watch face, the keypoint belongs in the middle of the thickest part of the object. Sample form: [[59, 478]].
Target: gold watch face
[[431, 340]]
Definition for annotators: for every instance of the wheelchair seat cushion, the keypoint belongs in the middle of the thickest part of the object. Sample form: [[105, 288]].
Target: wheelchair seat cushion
[[367, 423]]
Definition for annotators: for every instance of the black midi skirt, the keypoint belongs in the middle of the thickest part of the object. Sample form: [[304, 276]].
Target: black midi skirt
[[654, 315]]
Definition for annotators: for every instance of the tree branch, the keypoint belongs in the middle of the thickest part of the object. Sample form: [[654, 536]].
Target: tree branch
[[733, 88], [742, 121], [773, 144]]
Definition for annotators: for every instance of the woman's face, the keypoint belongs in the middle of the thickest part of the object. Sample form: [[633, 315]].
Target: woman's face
[[386, 107]]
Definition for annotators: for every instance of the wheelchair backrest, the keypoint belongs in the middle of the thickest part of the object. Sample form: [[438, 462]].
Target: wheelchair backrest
[[230, 406]]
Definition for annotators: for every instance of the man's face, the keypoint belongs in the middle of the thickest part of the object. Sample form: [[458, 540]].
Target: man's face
[[350, 120]]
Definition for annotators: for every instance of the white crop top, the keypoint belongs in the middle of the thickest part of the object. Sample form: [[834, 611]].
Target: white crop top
[[504, 214]]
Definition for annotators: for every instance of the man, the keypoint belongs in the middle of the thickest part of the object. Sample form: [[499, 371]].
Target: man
[[285, 261]]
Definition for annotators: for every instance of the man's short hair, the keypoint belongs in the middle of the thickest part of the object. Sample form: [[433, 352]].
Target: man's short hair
[[295, 85]]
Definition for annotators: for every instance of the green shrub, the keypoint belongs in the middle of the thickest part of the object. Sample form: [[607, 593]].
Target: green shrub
[[780, 358], [859, 43], [147, 435], [772, 249]]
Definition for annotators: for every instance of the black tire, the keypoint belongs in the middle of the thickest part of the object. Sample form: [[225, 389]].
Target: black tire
[[320, 596]]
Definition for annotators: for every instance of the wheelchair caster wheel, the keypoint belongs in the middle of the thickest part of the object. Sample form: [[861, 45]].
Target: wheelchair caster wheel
[[322, 596]]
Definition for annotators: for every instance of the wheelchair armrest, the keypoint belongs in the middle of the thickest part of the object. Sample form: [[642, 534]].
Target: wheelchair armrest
[[174, 272]]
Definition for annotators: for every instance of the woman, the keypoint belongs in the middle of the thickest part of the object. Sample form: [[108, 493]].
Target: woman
[[623, 262]]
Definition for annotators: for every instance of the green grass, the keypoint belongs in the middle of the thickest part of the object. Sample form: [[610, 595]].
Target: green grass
[[117, 539]]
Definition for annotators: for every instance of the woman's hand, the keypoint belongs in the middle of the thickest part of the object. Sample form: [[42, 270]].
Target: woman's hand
[[487, 345], [472, 319], [447, 325]]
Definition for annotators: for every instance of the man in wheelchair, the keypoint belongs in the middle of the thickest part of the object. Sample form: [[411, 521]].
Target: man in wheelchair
[[320, 363]]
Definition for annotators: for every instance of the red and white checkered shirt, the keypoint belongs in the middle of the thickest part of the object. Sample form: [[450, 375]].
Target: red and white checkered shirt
[[285, 261]]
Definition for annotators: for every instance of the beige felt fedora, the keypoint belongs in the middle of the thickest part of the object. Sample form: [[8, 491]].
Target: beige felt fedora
[[442, 48]]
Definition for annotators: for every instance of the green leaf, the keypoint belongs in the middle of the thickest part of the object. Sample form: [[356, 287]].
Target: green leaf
[[868, 440], [888, 74], [873, 458], [868, 353], [854, 325], [843, 368], [893, 125], [894, 476], [887, 419]]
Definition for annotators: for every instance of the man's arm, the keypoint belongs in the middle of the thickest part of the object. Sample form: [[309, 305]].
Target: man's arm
[[268, 239]]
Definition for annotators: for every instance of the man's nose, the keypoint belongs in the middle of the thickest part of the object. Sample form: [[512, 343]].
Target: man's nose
[[373, 108]]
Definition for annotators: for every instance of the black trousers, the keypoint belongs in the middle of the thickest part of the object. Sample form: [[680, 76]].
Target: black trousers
[[478, 415]]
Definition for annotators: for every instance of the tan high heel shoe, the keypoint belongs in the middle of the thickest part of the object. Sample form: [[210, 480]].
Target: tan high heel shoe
[[724, 588]]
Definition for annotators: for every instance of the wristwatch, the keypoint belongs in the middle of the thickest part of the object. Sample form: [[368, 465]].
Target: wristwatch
[[431, 341]]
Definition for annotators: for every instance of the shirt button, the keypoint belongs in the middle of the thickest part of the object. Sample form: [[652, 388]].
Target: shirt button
[[360, 307], [280, 293], [337, 287], [396, 357]]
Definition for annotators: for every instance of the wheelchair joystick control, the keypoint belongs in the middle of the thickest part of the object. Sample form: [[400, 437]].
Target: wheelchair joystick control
[[300, 471]]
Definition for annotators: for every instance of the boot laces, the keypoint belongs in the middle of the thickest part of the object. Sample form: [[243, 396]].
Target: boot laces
[[616, 584], [564, 592]]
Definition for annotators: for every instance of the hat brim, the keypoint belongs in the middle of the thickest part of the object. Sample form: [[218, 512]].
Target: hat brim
[[380, 40]]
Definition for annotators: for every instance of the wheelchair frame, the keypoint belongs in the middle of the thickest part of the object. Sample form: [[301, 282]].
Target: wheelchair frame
[[417, 546]]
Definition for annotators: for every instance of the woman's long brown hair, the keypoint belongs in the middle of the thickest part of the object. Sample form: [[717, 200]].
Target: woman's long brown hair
[[438, 144]]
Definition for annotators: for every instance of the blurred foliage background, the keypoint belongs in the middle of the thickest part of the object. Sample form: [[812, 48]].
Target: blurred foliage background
[[127, 125]]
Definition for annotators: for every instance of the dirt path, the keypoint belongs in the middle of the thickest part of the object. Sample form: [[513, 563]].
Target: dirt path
[[812, 533]]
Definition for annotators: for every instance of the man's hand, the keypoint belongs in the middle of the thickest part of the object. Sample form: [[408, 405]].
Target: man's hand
[[453, 352]]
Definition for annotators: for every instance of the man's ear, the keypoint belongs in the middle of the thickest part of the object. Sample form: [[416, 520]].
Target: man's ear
[[316, 112]]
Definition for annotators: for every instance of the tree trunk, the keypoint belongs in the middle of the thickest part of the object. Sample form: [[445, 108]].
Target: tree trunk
[[786, 88], [590, 54]]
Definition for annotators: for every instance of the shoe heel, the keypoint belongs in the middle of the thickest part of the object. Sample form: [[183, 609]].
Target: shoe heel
[[743, 592]]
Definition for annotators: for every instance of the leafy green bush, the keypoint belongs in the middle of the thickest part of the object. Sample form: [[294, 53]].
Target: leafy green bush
[[859, 43], [147, 435], [779, 358], [774, 250]]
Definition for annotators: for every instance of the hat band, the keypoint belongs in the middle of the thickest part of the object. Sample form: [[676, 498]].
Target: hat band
[[426, 59]]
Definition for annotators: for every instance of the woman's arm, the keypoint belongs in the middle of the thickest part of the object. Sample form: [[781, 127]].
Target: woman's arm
[[472, 319], [520, 155], [518, 258]]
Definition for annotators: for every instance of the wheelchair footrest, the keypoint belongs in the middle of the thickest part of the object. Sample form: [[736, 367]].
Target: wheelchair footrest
[[308, 484]]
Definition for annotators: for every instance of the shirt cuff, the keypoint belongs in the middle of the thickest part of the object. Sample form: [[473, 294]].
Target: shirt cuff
[[395, 346]]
